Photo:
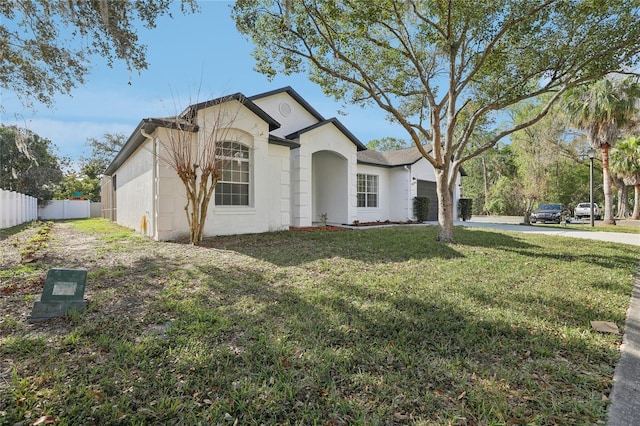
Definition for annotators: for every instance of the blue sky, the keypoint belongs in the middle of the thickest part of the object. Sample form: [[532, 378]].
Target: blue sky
[[189, 53]]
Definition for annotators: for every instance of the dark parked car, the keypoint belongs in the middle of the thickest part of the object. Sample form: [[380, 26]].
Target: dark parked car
[[548, 213]]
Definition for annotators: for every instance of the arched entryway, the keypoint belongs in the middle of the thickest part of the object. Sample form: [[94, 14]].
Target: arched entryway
[[330, 187]]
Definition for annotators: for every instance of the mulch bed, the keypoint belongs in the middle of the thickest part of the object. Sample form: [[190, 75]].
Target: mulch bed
[[318, 228], [386, 222], [343, 228]]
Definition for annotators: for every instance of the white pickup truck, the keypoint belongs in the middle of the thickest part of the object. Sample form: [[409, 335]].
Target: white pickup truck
[[584, 210]]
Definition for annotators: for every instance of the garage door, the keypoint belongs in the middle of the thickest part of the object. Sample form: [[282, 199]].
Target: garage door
[[428, 189]]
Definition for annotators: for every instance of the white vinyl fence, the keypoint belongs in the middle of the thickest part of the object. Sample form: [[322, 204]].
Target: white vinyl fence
[[16, 208], [65, 209]]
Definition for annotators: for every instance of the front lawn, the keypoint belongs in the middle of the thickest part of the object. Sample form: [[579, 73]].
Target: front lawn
[[376, 326]]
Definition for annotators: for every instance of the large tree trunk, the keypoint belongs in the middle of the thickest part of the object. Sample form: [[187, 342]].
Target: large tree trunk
[[486, 184], [528, 209], [623, 195], [636, 202], [623, 205], [606, 183], [445, 207]]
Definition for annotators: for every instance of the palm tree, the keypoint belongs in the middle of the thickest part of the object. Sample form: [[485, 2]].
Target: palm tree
[[601, 109], [625, 162]]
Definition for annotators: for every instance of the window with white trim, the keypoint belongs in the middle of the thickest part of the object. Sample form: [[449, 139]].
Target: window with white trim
[[233, 186], [367, 190]]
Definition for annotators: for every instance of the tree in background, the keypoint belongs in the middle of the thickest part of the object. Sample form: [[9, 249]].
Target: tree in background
[[497, 179], [505, 197], [570, 177], [533, 157], [103, 151], [484, 172], [28, 164], [439, 68], [601, 109], [542, 152], [47, 45], [88, 179], [625, 163], [85, 182], [387, 144]]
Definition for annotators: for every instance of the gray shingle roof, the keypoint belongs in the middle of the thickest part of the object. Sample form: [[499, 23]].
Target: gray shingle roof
[[400, 157]]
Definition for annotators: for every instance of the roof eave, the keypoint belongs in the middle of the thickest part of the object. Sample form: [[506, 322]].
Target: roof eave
[[275, 140], [132, 144]]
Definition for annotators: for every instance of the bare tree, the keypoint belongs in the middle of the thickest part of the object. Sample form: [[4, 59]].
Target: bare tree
[[198, 146]]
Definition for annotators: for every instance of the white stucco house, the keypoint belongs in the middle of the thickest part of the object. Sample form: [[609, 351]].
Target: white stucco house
[[290, 166]]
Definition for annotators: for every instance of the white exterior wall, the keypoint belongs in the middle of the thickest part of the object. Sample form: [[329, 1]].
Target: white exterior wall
[[134, 188], [277, 106], [397, 190], [457, 193], [280, 196], [324, 138], [269, 205], [403, 190], [170, 217], [395, 197], [300, 167], [226, 220], [372, 214], [422, 170], [330, 194]]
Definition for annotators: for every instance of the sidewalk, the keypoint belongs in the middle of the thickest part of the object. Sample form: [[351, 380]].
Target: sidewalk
[[624, 409], [625, 395]]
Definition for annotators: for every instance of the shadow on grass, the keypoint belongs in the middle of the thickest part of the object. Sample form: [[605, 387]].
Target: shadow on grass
[[320, 346], [563, 250], [9, 232], [397, 244], [260, 344], [475, 237]]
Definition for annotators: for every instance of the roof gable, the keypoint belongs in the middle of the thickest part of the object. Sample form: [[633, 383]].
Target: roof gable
[[295, 95], [185, 121], [247, 102], [338, 125]]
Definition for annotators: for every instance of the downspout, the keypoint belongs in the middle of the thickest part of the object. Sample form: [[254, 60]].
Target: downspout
[[154, 180], [409, 183]]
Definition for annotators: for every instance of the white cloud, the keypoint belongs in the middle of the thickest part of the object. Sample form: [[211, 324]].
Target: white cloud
[[70, 136], [88, 114]]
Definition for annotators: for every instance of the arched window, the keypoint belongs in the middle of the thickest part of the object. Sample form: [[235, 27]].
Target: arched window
[[233, 187]]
